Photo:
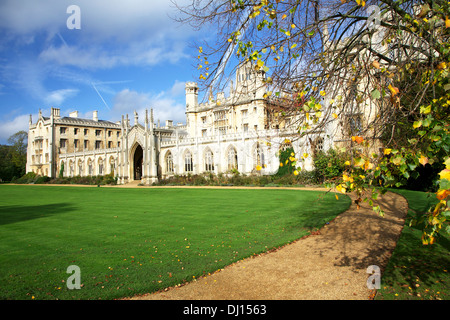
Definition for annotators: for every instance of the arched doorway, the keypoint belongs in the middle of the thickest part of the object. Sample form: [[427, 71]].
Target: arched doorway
[[137, 162]]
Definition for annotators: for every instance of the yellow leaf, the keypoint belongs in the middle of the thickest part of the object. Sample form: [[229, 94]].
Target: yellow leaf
[[347, 163], [423, 160], [340, 188], [322, 93], [293, 26], [258, 167], [335, 115], [387, 151], [447, 22], [447, 163], [442, 194], [417, 124], [337, 198], [283, 17], [394, 90], [296, 172], [445, 174], [347, 178], [305, 155], [357, 139]]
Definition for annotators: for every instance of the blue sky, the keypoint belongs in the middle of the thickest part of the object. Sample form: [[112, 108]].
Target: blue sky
[[127, 55]]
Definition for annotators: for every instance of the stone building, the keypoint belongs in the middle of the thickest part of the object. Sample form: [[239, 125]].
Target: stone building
[[242, 132]]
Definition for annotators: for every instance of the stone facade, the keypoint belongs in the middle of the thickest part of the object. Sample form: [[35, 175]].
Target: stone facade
[[239, 132]]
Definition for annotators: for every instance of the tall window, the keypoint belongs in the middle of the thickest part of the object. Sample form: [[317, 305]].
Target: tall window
[[209, 161], [188, 164], [169, 162], [232, 159]]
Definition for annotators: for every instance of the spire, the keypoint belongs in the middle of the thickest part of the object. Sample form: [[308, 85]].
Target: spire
[[135, 118], [151, 120], [146, 120]]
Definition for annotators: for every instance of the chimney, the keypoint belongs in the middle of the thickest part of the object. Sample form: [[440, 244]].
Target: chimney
[[56, 113], [95, 116], [73, 114]]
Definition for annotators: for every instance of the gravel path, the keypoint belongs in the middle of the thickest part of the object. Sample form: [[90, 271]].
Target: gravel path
[[329, 265]]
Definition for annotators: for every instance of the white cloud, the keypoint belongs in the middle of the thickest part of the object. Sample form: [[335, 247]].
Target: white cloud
[[57, 97], [9, 127], [165, 106], [137, 54], [178, 88]]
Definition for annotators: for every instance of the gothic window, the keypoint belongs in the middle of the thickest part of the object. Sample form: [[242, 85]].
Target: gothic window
[[317, 145], [169, 162], [354, 124], [209, 161], [188, 163], [232, 159]]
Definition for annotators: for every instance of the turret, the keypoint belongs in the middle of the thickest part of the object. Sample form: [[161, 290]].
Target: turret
[[191, 96]]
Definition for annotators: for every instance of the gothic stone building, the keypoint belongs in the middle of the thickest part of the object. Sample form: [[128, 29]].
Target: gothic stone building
[[239, 132]]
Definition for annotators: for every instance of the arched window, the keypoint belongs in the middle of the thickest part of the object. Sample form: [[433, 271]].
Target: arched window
[[232, 159], [317, 145], [209, 161], [169, 162], [188, 163]]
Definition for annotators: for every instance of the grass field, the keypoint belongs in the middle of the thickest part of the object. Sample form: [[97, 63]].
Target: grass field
[[133, 241], [415, 271]]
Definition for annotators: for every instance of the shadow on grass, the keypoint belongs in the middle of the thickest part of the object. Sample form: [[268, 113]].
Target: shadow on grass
[[13, 214]]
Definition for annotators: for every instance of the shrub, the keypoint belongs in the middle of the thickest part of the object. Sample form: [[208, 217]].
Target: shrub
[[285, 162], [328, 165], [42, 180], [29, 177]]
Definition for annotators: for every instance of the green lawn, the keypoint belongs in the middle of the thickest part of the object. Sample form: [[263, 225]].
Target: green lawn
[[132, 241], [416, 271]]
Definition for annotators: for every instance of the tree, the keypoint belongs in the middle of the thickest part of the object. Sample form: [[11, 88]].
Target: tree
[[18, 142], [331, 61]]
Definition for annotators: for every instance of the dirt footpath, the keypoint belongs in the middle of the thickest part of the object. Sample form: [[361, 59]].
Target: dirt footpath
[[329, 265]]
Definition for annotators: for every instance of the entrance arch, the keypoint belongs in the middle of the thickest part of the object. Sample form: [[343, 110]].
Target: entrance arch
[[137, 162]]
